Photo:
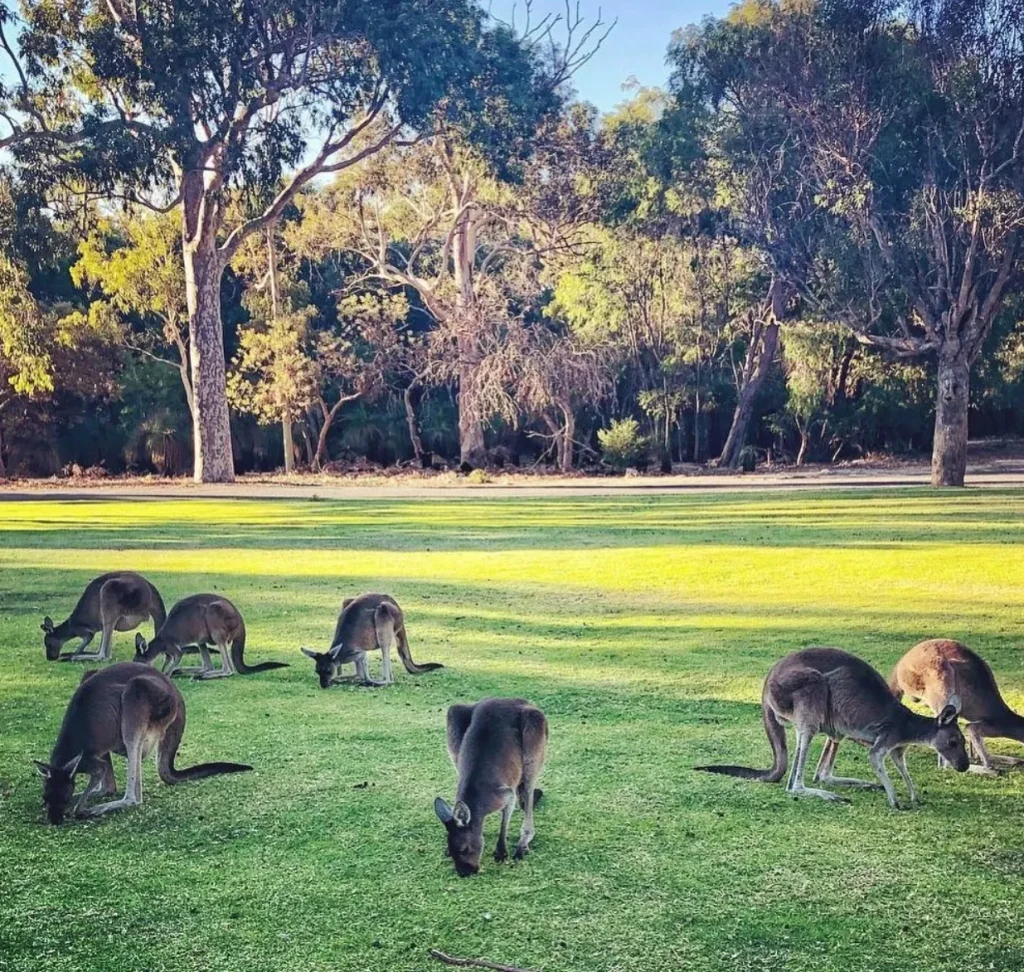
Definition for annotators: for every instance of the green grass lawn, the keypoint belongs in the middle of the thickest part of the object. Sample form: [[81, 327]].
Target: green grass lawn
[[643, 628]]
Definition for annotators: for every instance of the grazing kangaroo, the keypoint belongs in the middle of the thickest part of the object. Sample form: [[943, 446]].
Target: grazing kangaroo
[[120, 601], [497, 747], [127, 709], [370, 622], [825, 690], [203, 620], [938, 669]]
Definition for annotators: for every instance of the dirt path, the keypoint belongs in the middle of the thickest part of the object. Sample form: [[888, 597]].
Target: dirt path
[[1003, 467]]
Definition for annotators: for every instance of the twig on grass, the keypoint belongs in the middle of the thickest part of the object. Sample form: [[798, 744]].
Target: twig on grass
[[480, 963]]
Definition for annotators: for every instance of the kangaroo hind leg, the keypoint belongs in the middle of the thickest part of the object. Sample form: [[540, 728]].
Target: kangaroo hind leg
[[534, 729], [226, 667], [144, 703], [795, 786], [823, 774]]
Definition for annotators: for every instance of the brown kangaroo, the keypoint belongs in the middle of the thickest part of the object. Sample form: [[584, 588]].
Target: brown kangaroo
[[938, 669], [127, 709], [120, 601], [825, 690], [497, 747], [203, 620], [370, 622]]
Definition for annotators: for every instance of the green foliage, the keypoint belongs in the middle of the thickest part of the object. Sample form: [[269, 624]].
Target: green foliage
[[137, 266], [25, 363], [272, 375], [622, 444]]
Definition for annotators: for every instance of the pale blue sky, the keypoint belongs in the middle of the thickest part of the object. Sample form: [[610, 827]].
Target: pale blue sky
[[636, 47]]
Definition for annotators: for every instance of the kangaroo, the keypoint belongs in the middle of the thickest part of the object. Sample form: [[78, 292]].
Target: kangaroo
[[127, 709], [825, 690], [120, 601], [366, 623], [938, 669], [497, 747], [203, 620]]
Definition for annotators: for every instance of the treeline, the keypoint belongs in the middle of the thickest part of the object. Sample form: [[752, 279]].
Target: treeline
[[236, 237]]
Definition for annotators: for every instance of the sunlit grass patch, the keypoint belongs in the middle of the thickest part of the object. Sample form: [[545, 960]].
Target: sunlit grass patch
[[643, 627]]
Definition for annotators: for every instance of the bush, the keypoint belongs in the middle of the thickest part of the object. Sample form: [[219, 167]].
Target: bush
[[622, 445]]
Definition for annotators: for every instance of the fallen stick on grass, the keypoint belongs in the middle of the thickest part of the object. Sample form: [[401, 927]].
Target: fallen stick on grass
[[480, 963]]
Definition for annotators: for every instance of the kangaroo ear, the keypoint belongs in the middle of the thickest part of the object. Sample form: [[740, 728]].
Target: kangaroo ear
[[460, 814], [950, 711], [43, 769], [443, 811], [335, 650], [47, 624], [140, 643], [72, 764], [346, 602], [309, 653]]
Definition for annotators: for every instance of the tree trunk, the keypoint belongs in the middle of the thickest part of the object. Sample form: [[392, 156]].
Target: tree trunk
[[307, 444], [565, 441], [410, 421], [949, 445], [472, 450], [329, 416], [211, 424], [289, 444], [696, 426], [805, 441], [763, 345], [3, 468]]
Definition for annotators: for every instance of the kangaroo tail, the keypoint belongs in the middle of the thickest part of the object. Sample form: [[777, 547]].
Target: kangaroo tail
[[159, 612], [777, 739], [170, 774], [403, 652], [237, 659]]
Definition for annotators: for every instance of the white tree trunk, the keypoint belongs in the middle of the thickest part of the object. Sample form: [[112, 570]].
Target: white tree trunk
[[472, 449]]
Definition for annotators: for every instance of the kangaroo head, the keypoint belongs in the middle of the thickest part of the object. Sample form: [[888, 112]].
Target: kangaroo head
[[58, 787], [140, 648], [328, 663], [51, 642], [949, 740], [465, 843]]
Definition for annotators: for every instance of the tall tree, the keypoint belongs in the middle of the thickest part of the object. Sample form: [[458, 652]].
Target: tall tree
[[923, 160], [729, 137], [199, 101]]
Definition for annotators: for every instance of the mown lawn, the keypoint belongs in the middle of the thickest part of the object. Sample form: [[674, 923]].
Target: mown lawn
[[643, 628]]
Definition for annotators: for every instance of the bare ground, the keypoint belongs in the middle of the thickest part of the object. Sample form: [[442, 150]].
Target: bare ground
[[991, 463]]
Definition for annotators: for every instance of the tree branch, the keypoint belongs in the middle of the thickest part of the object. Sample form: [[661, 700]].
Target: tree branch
[[478, 963]]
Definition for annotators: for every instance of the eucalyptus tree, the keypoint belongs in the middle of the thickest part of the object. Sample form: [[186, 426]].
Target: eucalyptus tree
[[922, 160], [463, 218], [184, 106], [729, 140]]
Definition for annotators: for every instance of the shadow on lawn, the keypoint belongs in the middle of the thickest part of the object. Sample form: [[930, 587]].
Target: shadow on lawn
[[872, 519], [545, 616]]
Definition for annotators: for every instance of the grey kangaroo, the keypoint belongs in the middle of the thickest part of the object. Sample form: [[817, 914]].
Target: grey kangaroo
[[938, 670], [497, 747], [127, 709], [203, 620], [120, 601], [825, 690], [370, 622]]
